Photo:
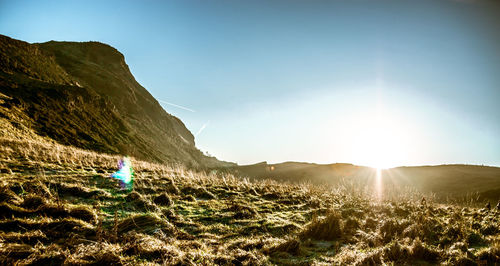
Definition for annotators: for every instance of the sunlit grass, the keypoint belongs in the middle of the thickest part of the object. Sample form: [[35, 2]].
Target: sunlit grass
[[58, 205]]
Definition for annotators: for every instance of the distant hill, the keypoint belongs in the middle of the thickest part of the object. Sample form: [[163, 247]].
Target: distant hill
[[455, 180], [444, 181], [83, 94], [304, 172]]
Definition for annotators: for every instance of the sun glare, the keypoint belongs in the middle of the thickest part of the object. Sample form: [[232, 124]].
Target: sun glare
[[382, 142], [378, 184]]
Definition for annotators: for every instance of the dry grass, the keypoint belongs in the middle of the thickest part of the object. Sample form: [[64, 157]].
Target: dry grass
[[54, 156], [327, 228], [58, 205]]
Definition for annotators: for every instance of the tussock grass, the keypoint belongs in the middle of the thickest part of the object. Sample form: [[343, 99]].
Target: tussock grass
[[327, 228], [242, 210], [32, 201], [163, 200], [8, 196], [139, 202], [419, 250], [143, 223], [291, 246]]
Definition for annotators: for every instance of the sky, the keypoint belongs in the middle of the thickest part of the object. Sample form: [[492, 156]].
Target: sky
[[378, 83]]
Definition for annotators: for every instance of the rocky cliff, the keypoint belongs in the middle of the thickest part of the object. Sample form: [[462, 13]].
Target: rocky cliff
[[83, 94]]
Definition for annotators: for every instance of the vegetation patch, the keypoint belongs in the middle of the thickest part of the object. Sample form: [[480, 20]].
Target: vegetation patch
[[327, 228], [65, 213]]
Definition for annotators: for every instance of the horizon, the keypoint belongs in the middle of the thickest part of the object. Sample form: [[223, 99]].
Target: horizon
[[373, 167], [320, 82]]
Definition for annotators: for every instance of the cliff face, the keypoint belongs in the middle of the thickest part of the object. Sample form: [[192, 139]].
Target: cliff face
[[83, 94]]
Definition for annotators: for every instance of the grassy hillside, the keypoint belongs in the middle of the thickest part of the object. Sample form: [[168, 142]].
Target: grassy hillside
[[446, 182], [83, 95], [58, 205]]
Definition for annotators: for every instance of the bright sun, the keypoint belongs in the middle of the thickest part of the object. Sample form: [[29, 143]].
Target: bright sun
[[382, 142]]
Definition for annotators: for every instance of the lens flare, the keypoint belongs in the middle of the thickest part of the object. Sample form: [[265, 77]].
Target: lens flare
[[125, 173]]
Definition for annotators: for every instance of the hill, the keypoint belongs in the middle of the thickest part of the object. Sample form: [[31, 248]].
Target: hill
[[83, 94], [445, 182]]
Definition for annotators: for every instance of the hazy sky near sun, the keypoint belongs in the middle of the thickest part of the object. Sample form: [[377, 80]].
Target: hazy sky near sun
[[367, 82]]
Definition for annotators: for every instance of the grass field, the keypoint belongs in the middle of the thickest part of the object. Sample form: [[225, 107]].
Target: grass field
[[58, 205]]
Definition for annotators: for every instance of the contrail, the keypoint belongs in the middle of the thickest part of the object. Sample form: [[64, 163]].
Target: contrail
[[202, 128], [178, 106]]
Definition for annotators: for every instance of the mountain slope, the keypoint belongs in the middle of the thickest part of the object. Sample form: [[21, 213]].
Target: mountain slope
[[83, 94]]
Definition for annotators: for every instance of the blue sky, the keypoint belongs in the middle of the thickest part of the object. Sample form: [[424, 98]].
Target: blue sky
[[380, 83]]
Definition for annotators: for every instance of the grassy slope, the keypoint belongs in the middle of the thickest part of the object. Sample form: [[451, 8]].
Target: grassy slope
[[57, 204]]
